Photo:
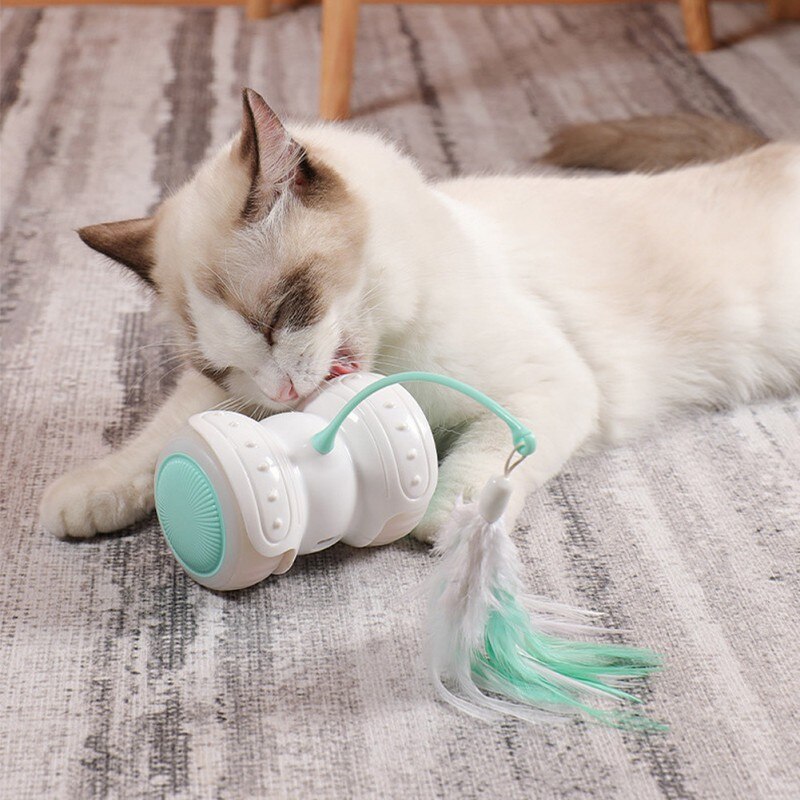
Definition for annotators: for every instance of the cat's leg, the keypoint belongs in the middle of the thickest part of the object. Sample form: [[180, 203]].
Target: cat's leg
[[117, 490], [563, 415]]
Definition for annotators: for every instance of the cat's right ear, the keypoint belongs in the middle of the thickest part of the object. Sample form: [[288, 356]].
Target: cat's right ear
[[268, 152], [128, 242]]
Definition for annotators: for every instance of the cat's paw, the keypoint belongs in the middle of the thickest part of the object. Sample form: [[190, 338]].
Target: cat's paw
[[437, 514], [95, 499]]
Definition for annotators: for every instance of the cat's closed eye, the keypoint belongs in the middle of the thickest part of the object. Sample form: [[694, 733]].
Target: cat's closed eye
[[276, 320]]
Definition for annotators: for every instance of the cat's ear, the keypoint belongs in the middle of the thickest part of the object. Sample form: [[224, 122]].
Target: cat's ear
[[129, 242], [268, 152]]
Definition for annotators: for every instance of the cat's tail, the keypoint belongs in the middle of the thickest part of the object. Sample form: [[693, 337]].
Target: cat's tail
[[650, 144]]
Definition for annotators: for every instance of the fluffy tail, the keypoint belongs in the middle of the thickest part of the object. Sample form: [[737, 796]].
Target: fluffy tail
[[650, 144]]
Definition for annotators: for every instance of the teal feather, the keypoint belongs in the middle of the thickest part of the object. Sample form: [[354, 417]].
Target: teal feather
[[550, 672], [490, 654]]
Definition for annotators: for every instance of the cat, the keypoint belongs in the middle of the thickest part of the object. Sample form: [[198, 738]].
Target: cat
[[587, 305]]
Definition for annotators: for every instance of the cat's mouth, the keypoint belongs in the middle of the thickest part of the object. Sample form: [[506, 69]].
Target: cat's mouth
[[344, 363]]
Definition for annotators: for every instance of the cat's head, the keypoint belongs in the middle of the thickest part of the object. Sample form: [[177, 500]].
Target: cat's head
[[259, 259]]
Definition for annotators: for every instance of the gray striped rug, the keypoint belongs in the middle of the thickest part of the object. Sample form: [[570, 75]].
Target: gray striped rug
[[121, 678]]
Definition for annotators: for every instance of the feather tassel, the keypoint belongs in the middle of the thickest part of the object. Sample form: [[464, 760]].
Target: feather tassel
[[493, 650]]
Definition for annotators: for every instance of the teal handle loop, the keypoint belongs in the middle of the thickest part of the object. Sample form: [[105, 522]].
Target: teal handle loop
[[524, 440]]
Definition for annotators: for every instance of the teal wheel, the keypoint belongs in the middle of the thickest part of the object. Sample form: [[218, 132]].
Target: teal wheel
[[189, 511]]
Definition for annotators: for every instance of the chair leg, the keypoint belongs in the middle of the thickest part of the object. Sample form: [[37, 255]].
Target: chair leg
[[784, 9], [697, 22], [339, 26], [258, 9]]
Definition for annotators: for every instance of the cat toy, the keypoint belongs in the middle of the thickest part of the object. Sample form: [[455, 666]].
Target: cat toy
[[239, 499]]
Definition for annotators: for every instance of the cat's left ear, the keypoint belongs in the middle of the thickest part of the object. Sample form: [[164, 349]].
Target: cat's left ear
[[128, 242], [268, 152]]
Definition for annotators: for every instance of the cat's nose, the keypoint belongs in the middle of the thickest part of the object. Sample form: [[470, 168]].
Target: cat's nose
[[286, 392]]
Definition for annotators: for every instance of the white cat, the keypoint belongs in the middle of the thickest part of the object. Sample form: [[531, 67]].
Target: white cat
[[588, 306]]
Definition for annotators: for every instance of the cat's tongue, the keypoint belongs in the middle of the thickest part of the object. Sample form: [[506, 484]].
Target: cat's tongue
[[343, 364]]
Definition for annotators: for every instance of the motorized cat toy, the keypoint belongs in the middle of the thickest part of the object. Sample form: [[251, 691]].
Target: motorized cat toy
[[238, 500]]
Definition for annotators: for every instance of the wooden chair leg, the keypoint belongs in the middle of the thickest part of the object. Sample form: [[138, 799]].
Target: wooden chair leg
[[339, 26], [258, 9], [784, 9], [697, 22]]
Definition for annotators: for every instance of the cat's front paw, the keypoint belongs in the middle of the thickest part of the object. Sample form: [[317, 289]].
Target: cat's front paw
[[95, 499], [437, 514]]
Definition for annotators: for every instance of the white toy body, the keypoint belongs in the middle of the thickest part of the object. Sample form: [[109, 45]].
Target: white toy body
[[263, 495], [239, 500]]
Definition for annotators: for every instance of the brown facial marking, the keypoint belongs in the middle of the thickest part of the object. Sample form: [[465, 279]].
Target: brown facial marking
[[213, 286], [300, 303], [191, 328], [318, 186], [200, 364], [216, 375], [129, 242]]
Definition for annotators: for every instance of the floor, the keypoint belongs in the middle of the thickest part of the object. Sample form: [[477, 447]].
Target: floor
[[121, 678]]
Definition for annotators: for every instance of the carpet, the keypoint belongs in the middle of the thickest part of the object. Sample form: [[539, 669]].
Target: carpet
[[122, 678]]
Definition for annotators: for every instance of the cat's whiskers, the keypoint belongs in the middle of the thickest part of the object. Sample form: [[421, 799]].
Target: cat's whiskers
[[232, 287], [179, 358]]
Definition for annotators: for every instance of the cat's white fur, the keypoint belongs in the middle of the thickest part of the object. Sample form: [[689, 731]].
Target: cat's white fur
[[588, 306]]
